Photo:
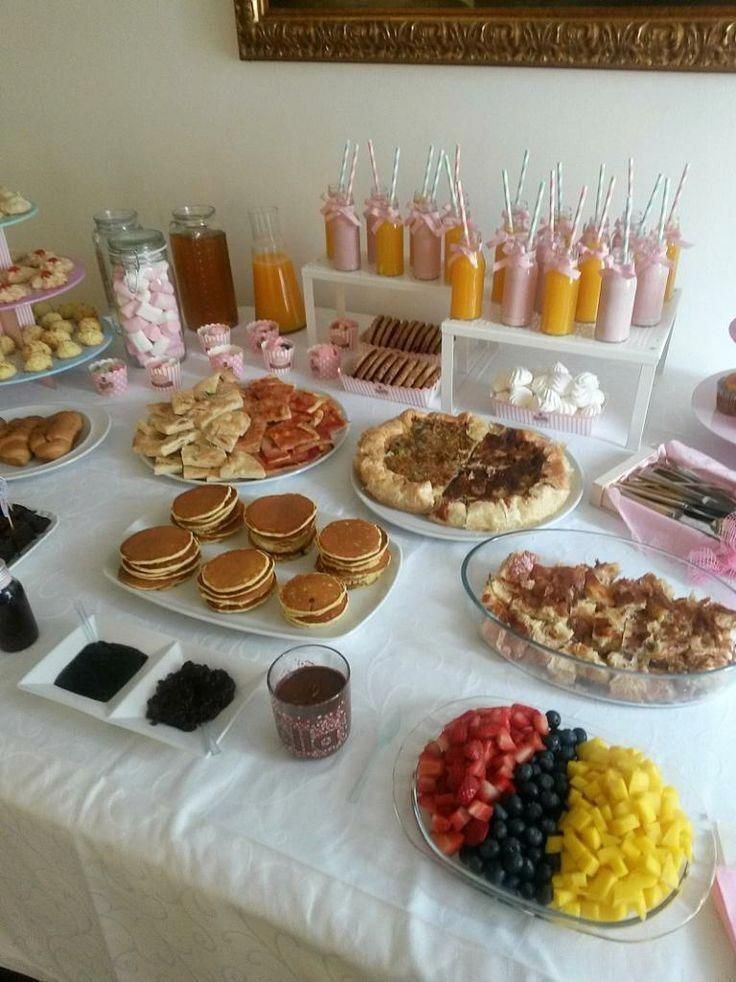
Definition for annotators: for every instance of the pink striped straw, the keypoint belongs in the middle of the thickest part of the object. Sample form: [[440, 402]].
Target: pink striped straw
[[374, 168], [606, 207], [457, 164], [351, 179], [578, 215], [463, 213], [552, 196], [678, 194]]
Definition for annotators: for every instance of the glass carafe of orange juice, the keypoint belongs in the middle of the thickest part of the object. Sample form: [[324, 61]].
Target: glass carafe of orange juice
[[467, 278], [278, 296]]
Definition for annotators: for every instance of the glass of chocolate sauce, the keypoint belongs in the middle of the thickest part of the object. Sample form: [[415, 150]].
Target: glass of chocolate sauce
[[310, 697]]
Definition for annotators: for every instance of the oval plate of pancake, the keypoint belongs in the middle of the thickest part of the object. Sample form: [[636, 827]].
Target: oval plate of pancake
[[275, 565], [221, 431], [36, 440], [463, 478]]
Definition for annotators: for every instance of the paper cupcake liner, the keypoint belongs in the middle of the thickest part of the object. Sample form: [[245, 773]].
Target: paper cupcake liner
[[581, 425], [278, 357], [343, 333], [213, 335], [227, 356], [325, 360], [164, 373], [109, 376], [256, 332]]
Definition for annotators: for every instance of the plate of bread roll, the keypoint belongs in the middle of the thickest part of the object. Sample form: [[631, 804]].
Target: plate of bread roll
[[39, 439]]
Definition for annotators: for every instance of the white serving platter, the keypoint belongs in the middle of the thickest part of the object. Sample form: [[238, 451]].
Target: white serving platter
[[127, 709], [421, 525], [95, 427], [266, 620]]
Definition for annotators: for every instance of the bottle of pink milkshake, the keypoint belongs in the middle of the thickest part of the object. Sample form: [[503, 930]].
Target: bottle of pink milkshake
[[652, 270], [375, 205], [545, 253], [616, 304], [519, 286], [345, 236], [425, 229]]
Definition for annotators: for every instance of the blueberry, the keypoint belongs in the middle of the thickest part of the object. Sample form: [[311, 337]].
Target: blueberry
[[534, 811], [475, 864], [524, 772], [552, 742], [527, 890], [498, 876], [465, 854], [514, 805], [528, 869], [549, 801], [513, 862], [517, 826], [560, 764], [489, 848], [544, 873], [580, 735], [534, 836], [553, 718], [512, 883], [545, 761], [511, 844], [500, 813], [536, 770], [528, 790], [567, 737], [535, 854], [544, 894], [568, 752], [548, 826], [546, 782], [561, 785], [499, 830]]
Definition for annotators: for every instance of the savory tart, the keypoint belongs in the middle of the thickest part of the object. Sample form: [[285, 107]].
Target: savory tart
[[462, 471]]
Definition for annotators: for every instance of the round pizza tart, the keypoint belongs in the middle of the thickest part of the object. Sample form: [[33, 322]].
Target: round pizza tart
[[463, 471]]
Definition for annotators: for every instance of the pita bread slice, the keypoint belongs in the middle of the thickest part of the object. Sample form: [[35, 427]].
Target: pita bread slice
[[201, 454], [167, 465], [173, 443], [195, 473], [148, 446], [225, 431], [166, 421], [182, 401], [207, 387], [241, 465]]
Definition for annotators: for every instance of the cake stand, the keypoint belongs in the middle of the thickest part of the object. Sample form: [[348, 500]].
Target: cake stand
[[704, 408]]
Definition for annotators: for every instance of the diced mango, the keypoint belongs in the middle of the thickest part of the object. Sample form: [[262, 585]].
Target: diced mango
[[563, 897], [601, 884], [652, 865], [617, 787], [554, 844], [572, 908], [630, 850], [627, 823], [592, 838], [590, 910], [638, 782], [655, 895], [611, 857]]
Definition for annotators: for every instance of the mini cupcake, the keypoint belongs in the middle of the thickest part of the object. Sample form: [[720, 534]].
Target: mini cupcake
[[726, 395]]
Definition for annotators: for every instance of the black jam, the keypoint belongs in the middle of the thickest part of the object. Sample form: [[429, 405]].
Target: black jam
[[193, 695], [100, 670], [18, 628]]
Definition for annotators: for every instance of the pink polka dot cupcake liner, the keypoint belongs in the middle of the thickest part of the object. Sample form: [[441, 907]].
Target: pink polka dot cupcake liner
[[109, 376]]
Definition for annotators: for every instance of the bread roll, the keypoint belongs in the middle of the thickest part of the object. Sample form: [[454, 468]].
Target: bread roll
[[14, 440], [54, 437]]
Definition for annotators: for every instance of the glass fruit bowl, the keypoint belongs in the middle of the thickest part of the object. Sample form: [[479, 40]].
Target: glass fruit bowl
[[599, 681], [674, 912]]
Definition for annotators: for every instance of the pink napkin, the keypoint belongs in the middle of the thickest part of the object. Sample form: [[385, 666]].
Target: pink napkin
[[724, 888], [653, 529]]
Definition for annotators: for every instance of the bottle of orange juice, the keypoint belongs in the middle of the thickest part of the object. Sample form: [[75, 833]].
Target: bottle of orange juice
[[590, 263], [389, 230], [561, 284], [675, 243], [278, 296], [467, 278]]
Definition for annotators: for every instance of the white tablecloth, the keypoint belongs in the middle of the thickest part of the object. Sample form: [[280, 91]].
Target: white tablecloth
[[123, 859]]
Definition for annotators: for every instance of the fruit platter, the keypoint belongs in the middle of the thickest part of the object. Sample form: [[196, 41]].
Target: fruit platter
[[555, 820]]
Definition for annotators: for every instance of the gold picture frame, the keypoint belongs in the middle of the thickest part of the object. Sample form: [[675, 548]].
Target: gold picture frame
[[669, 37]]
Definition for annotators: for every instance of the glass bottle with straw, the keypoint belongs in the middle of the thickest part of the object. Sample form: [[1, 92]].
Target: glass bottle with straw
[[467, 270], [375, 204], [519, 210], [503, 235], [591, 259], [333, 199], [346, 227], [618, 290], [418, 202], [452, 222], [425, 228], [546, 243], [673, 237], [561, 281], [520, 281], [389, 229], [652, 270]]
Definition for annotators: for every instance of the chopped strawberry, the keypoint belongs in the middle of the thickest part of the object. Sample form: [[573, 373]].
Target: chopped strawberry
[[444, 803], [475, 832], [457, 732], [477, 769], [474, 750], [430, 767], [487, 792], [448, 842], [440, 823], [480, 810], [504, 741], [455, 754], [442, 742], [426, 785], [455, 776], [468, 789], [459, 818], [540, 724], [432, 749], [428, 801], [524, 754]]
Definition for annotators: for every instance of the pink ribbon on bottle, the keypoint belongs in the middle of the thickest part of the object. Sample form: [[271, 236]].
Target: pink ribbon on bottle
[[563, 264], [388, 214], [673, 234], [416, 218], [516, 255], [651, 255], [329, 205], [611, 267], [450, 220], [587, 252], [500, 238], [471, 252], [343, 211], [373, 209]]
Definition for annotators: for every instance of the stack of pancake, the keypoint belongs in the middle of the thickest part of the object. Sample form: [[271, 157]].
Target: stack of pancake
[[158, 558], [313, 599], [353, 550], [237, 581], [283, 525], [211, 512]]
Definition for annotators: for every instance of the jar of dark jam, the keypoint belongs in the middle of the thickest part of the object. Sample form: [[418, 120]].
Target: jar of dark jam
[[18, 628]]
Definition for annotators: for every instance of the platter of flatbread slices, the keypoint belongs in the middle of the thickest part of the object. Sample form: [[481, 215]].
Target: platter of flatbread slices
[[227, 432]]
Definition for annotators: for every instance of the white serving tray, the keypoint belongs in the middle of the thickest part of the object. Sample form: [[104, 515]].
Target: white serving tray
[[31, 547]]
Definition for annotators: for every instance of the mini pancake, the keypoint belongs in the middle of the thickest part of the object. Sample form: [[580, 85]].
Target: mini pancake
[[356, 566], [203, 504], [158, 584], [350, 539], [233, 525], [357, 578], [163, 565], [281, 549], [239, 602], [155, 544], [319, 620], [236, 571], [279, 515], [311, 594], [162, 574]]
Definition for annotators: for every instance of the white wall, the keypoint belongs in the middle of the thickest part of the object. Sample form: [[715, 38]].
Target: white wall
[[109, 103]]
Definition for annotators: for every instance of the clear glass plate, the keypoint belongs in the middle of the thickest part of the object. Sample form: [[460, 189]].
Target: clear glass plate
[[676, 911], [572, 546]]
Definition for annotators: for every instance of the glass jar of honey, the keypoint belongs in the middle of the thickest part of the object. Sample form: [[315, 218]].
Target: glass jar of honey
[[202, 266]]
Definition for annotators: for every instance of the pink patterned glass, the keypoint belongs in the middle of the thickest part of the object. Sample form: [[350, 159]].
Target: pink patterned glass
[[164, 373], [344, 333], [256, 332], [109, 376], [325, 360], [213, 335], [310, 729]]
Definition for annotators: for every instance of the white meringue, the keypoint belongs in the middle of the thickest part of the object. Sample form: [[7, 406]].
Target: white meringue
[[539, 383], [512, 378], [567, 408], [588, 379], [591, 410], [502, 395], [548, 401], [559, 369], [560, 383], [581, 395], [522, 397]]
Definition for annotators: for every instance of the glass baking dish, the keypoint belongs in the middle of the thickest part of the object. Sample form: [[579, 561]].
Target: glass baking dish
[[573, 546]]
